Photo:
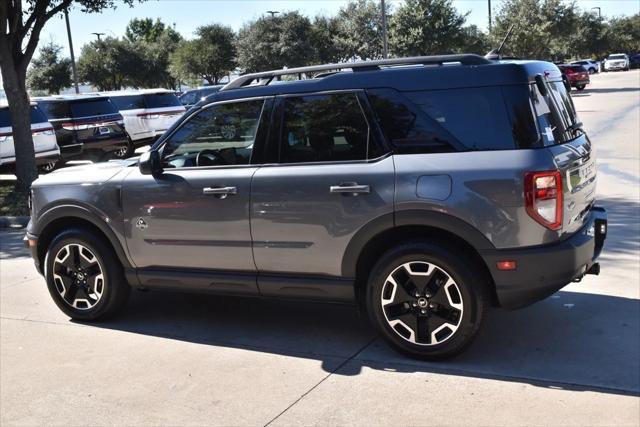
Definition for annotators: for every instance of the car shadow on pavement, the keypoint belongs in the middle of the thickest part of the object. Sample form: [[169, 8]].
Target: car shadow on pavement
[[573, 341], [11, 244]]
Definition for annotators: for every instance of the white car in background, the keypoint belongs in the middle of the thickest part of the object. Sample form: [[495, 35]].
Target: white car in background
[[44, 139], [616, 61], [591, 65], [147, 114]]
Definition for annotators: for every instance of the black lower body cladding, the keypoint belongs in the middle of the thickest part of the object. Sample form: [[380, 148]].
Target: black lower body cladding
[[542, 270]]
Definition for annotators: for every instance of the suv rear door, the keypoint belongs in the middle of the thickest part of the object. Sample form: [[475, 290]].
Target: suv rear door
[[328, 178], [195, 215]]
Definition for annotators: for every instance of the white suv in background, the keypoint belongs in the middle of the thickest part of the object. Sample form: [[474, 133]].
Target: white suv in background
[[616, 61], [147, 114], [44, 139]]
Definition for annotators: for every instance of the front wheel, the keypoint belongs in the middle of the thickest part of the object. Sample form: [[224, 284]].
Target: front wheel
[[425, 300], [84, 276]]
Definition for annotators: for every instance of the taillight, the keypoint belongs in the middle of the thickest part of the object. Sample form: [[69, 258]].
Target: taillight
[[45, 131], [543, 196]]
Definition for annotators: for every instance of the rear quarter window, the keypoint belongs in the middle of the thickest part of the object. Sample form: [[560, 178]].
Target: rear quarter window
[[92, 108], [477, 117], [36, 116], [5, 118], [162, 100]]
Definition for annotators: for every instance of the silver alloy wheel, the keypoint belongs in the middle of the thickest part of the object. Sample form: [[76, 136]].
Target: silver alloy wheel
[[422, 303], [121, 152], [78, 276], [228, 132], [48, 167]]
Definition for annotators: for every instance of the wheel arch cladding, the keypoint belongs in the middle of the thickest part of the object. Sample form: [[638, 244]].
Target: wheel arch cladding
[[56, 220], [382, 234]]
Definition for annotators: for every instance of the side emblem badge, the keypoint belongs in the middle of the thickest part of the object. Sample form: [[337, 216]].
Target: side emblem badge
[[141, 224]]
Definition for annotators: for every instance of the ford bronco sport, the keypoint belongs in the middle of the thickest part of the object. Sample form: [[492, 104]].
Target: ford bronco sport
[[422, 189]]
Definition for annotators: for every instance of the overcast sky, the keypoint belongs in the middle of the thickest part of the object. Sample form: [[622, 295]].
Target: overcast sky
[[187, 15]]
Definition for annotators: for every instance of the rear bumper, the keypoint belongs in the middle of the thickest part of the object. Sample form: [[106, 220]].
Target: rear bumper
[[542, 270], [581, 82]]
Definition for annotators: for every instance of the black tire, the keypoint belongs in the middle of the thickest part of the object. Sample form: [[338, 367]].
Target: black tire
[[48, 167], [471, 291], [114, 288], [581, 87]]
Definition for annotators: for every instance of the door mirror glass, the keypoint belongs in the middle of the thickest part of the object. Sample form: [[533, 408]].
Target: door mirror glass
[[149, 163]]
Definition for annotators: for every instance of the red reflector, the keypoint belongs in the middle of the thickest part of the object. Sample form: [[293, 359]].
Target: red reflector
[[506, 265]]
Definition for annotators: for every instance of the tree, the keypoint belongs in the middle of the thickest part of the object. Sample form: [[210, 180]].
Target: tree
[[325, 40], [50, 72], [154, 42], [21, 22], [275, 42], [210, 56], [426, 27], [474, 41], [360, 30], [110, 64], [623, 34]]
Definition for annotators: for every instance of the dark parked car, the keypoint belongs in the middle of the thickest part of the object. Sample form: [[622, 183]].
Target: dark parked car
[[422, 189], [193, 96], [87, 127], [634, 61], [577, 75]]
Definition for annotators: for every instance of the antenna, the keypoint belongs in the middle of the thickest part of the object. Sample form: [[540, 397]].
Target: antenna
[[494, 55]]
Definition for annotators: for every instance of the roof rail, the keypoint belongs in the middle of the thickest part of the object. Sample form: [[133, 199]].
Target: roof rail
[[265, 77]]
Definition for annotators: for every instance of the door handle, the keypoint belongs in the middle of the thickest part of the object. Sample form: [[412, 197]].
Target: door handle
[[220, 192], [350, 189]]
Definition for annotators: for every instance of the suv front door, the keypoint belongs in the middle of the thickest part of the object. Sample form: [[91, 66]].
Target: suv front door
[[195, 215], [328, 178]]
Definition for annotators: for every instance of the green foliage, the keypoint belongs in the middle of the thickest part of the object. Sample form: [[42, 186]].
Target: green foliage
[[360, 30], [275, 42], [623, 34], [325, 39], [210, 56], [428, 27], [110, 64], [150, 31], [49, 71]]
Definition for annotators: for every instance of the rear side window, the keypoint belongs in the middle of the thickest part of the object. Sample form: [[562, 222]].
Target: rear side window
[[555, 113], [189, 98], [92, 107], [477, 117], [130, 102], [325, 128], [37, 116], [55, 109], [162, 100]]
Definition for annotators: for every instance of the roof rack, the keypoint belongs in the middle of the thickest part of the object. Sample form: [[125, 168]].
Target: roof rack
[[265, 77]]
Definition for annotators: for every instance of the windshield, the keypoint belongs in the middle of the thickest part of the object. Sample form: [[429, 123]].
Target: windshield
[[92, 107], [556, 114], [162, 100], [616, 57]]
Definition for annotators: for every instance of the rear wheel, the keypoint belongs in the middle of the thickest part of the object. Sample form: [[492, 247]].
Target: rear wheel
[[425, 301], [581, 87], [84, 276], [48, 167], [125, 151]]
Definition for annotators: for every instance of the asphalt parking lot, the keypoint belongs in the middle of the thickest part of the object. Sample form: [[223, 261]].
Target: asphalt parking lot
[[172, 359]]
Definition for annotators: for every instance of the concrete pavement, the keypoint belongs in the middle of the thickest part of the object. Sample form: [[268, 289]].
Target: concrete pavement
[[572, 359]]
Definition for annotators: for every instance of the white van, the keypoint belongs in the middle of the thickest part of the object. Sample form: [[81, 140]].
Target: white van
[[44, 139], [147, 114]]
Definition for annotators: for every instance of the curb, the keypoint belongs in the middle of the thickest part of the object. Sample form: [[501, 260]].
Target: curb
[[13, 221]]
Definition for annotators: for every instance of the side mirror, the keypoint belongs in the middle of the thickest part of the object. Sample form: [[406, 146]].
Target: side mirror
[[149, 163]]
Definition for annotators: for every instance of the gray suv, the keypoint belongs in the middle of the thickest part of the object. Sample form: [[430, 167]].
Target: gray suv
[[421, 189]]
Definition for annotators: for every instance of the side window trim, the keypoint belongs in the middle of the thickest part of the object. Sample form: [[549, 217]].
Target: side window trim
[[258, 141]]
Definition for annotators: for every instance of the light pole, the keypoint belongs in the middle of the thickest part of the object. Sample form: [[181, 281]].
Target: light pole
[[98, 35], [599, 11], [385, 42], [73, 58], [489, 6], [272, 12]]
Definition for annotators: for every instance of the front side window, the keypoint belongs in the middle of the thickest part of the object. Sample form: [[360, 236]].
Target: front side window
[[325, 128], [222, 134]]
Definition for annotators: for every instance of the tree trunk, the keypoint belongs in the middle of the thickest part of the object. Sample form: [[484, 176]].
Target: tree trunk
[[14, 79]]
